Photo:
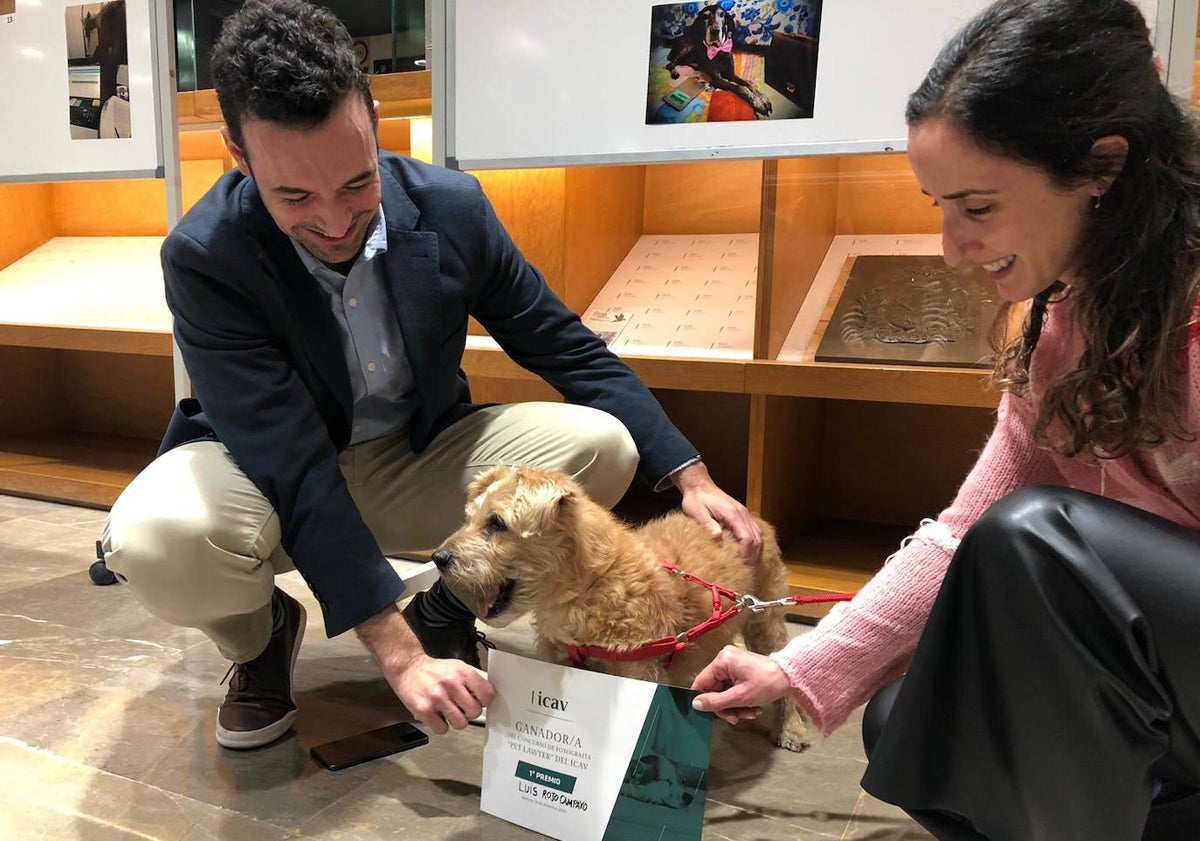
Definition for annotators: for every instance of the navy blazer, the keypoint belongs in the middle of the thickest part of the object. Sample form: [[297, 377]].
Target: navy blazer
[[263, 353]]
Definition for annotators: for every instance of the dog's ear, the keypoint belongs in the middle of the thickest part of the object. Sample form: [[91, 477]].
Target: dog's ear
[[479, 487], [546, 500]]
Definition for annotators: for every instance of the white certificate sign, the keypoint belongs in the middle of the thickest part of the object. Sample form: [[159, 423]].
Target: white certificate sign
[[585, 756]]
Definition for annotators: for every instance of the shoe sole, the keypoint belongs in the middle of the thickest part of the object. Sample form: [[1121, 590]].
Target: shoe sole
[[247, 739]]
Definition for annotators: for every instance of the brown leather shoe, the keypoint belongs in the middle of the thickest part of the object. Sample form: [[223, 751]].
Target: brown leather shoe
[[259, 707], [459, 641]]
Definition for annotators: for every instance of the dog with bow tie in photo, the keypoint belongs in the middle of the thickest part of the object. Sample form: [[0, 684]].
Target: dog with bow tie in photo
[[707, 47]]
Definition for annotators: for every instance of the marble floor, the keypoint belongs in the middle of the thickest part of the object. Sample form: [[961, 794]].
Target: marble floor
[[107, 716]]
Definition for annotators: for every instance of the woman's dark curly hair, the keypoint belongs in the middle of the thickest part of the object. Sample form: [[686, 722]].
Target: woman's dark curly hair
[[284, 61], [1039, 82]]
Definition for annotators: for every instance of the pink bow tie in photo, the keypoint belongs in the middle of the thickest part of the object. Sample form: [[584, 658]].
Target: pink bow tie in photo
[[725, 46]]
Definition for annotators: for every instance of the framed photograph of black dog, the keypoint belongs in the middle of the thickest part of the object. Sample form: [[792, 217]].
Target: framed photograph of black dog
[[732, 60]]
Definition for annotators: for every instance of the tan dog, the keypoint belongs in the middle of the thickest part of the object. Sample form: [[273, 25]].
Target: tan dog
[[535, 543]]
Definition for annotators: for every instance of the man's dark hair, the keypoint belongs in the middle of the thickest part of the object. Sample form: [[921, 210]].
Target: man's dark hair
[[287, 62]]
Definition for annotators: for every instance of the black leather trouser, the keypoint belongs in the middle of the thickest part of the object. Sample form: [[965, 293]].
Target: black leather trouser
[[1055, 692]]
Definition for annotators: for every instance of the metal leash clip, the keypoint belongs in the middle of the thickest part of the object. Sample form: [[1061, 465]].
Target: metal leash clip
[[754, 603]]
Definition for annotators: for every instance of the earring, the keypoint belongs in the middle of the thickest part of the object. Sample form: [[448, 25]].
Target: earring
[[1096, 202]]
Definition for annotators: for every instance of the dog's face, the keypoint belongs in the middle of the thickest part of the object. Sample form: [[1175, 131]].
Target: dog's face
[[512, 548], [716, 24]]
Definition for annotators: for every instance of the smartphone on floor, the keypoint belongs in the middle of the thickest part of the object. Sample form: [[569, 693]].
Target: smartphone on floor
[[374, 744]]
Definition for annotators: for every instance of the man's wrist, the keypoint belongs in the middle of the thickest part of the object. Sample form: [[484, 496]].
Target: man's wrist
[[389, 639], [691, 476]]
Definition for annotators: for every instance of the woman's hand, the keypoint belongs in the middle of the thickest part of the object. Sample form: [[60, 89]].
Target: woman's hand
[[737, 684]]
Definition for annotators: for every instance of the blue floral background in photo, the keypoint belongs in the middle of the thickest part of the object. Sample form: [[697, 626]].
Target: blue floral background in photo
[[757, 20]]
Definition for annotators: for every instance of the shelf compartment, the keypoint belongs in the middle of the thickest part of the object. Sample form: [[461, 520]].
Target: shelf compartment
[[816, 463], [87, 293], [681, 295], [836, 556], [810, 321], [794, 371], [76, 426], [85, 469]]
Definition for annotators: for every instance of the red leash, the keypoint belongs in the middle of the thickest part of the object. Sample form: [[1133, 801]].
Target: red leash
[[669, 647]]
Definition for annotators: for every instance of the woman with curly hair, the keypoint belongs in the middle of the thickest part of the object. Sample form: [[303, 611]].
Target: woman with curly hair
[[1031, 656]]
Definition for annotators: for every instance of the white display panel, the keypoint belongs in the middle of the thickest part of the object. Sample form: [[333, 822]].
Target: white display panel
[[547, 83], [36, 143]]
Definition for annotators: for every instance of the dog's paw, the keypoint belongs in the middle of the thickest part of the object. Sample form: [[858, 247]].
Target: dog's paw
[[761, 104], [793, 733], [796, 743]]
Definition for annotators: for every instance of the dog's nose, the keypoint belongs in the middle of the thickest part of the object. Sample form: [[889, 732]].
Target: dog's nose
[[442, 558]]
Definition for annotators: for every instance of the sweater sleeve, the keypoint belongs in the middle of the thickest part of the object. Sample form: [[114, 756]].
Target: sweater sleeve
[[865, 643]]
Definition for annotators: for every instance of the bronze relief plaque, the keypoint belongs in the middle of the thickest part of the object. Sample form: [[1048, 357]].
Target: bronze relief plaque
[[909, 310]]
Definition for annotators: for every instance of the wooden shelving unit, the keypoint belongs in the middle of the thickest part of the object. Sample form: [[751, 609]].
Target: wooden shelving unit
[[844, 459], [86, 364], [87, 338]]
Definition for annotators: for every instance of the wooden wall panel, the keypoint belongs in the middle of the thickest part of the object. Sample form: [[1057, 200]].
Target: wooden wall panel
[[28, 407], [404, 94], [204, 145], [395, 136], [878, 194], [703, 197], [531, 204], [894, 462], [502, 390], [784, 462], [604, 207], [718, 425], [201, 145], [1196, 67], [197, 177], [129, 207], [801, 217], [117, 394], [26, 219], [399, 95], [205, 108]]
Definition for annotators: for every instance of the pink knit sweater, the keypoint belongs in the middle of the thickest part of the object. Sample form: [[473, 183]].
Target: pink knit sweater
[[866, 643]]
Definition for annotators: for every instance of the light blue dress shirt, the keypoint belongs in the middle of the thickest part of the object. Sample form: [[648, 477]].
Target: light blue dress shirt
[[381, 378]]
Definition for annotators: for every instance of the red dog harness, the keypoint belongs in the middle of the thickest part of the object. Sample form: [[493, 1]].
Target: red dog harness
[[669, 647]]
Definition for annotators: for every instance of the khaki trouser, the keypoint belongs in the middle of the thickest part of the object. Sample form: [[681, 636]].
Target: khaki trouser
[[200, 546]]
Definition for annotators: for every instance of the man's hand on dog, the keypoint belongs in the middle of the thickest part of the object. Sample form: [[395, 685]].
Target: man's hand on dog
[[737, 684], [439, 693], [712, 508]]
